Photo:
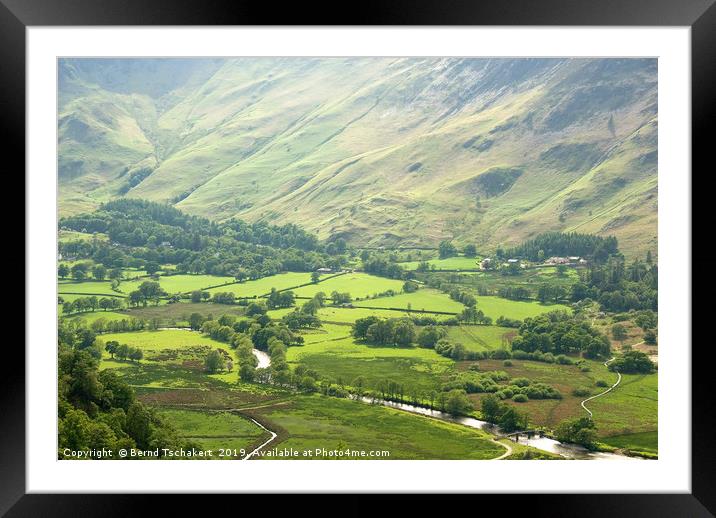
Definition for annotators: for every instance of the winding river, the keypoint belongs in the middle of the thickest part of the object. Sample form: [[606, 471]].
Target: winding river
[[568, 451]]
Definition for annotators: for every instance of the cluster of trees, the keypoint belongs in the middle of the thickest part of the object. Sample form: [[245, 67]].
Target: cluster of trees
[[306, 316], [341, 298], [514, 292], [92, 303], [505, 416], [155, 233], [551, 293], [81, 271], [463, 297], [222, 297], [280, 299], [475, 316], [559, 333], [148, 291], [123, 351], [217, 360], [385, 331], [500, 384], [581, 431], [383, 268], [550, 244], [633, 362], [446, 249], [98, 409], [618, 287]]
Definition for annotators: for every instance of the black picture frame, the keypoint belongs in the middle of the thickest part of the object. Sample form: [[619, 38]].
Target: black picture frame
[[700, 15]]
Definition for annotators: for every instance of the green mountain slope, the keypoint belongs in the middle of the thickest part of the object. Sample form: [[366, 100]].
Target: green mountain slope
[[380, 151]]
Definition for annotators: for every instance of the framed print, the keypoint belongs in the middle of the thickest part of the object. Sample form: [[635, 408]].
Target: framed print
[[441, 237]]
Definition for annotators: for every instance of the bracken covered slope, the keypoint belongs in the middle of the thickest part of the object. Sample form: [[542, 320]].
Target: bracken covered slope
[[380, 151]]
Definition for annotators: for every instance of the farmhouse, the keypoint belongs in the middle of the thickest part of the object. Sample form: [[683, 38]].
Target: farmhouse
[[486, 263], [324, 270]]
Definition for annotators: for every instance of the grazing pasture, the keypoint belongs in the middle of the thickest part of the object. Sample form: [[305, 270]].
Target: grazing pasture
[[647, 442], [481, 338], [338, 356], [425, 299], [359, 285], [86, 288], [262, 286], [342, 315], [215, 430], [497, 306], [311, 422], [181, 283], [449, 263]]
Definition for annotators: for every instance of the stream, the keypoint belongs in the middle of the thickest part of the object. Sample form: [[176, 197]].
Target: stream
[[568, 451]]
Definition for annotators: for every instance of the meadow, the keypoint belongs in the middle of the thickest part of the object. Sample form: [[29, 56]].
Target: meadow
[[425, 299], [181, 283], [496, 307], [343, 315], [481, 338], [311, 422], [87, 288], [359, 285], [215, 430], [448, 263], [333, 353], [259, 287]]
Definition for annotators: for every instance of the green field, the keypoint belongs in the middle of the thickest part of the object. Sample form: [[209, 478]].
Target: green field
[[214, 430], [334, 354], [359, 285], [497, 306], [97, 315], [481, 338], [87, 288], [263, 286], [66, 236], [342, 315], [311, 422], [630, 408], [647, 442], [449, 263], [425, 299], [181, 283]]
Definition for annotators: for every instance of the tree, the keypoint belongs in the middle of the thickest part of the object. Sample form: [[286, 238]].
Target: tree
[[135, 354], [511, 420], [214, 362], [410, 287], [315, 277], [633, 362], [470, 251], [578, 431], [650, 337], [196, 296], [195, 321], [457, 402], [63, 271], [491, 408], [429, 336], [111, 347], [152, 267], [79, 271], [247, 372], [619, 332], [446, 249], [99, 272]]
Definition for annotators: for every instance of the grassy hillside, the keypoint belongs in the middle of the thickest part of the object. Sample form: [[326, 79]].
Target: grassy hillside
[[380, 151]]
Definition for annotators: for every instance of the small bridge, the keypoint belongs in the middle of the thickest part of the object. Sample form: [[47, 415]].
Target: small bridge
[[527, 433]]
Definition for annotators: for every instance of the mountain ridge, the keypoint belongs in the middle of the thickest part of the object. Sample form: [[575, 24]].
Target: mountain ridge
[[380, 151]]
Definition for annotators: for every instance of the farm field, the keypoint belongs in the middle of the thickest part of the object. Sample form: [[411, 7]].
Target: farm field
[[214, 430], [342, 315], [481, 338], [449, 263], [496, 307], [641, 442], [97, 315], [177, 314], [630, 408], [87, 288], [262, 286], [426, 299], [66, 236], [359, 285], [311, 422], [181, 283], [337, 356]]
